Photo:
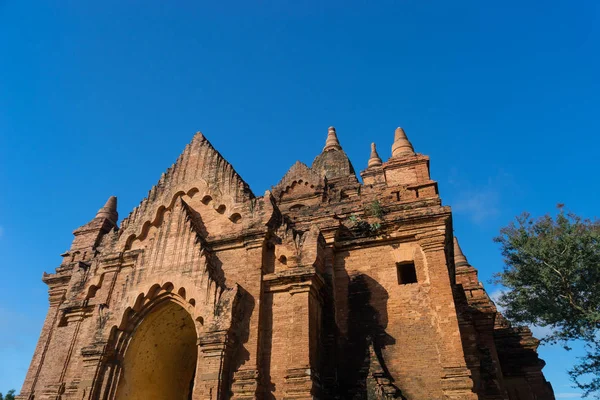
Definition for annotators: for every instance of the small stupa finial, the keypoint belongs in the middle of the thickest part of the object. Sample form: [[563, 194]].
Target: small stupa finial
[[459, 257], [109, 210], [374, 160], [401, 147], [332, 142]]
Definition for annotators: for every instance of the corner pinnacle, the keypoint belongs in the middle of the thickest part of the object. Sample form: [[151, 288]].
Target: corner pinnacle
[[401, 147], [332, 142], [109, 211], [459, 258], [374, 160]]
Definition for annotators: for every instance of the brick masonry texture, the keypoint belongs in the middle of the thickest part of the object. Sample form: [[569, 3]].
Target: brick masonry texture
[[323, 288]]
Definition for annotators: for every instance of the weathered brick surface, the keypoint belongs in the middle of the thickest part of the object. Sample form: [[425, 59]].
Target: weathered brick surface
[[206, 291]]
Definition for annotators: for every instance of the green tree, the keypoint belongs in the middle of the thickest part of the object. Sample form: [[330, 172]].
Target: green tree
[[10, 395], [552, 276]]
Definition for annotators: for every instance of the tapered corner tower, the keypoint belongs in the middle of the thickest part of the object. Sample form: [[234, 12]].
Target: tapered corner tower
[[322, 288]]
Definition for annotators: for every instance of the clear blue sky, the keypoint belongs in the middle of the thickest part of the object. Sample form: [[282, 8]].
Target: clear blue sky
[[99, 98]]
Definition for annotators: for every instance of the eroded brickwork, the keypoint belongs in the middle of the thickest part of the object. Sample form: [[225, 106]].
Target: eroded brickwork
[[322, 288]]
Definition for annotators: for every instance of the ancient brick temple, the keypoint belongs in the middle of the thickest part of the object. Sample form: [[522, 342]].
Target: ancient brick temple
[[322, 288]]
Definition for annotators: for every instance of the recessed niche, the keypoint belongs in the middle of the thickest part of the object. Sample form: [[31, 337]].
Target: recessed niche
[[296, 207], [206, 200], [407, 272]]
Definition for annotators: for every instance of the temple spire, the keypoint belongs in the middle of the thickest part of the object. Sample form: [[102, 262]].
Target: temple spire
[[401, 147], [109, 211], [374, 160], [459, 258], [332, 142]]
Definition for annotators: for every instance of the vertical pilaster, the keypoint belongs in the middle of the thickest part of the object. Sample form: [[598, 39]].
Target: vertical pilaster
[[302, 285], [92, 357], [300, 380], [245, 379], [455, 376], [214, 350], [56, 295]]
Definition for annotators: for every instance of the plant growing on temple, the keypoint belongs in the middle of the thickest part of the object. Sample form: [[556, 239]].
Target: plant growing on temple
[[363, 226], [552, 276], [375, 209]]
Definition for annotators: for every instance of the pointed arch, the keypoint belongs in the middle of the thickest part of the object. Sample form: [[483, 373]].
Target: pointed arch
[[149, 329]]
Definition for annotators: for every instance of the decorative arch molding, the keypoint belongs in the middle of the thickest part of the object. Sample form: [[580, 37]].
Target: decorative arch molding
[[299, 175], [200, 168], [146, 302], [216, 338], [299, 183], [207, 202], [183, 229]]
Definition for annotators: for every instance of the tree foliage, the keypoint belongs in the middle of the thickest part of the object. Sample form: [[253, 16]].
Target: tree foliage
[[10, 395], [552, 276]]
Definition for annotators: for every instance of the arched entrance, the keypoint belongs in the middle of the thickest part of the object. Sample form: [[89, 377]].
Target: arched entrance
[[160, 360]]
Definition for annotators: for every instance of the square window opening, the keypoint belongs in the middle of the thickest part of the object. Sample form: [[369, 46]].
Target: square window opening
[[406, 273]]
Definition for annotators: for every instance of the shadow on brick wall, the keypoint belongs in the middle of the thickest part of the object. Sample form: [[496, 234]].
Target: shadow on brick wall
[[367, 321]]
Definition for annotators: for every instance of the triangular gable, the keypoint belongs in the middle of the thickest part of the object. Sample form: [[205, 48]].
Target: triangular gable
[[200, 168], [178, 228], [299, 172]]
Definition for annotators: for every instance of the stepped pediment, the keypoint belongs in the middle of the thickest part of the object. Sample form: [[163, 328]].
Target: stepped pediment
[[299, 181]]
